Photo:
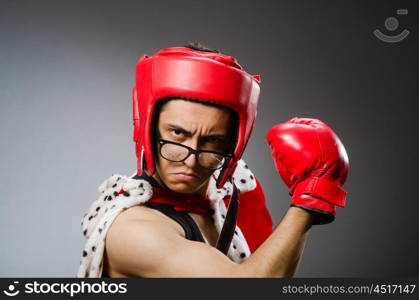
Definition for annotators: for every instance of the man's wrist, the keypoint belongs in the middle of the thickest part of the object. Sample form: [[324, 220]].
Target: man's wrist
[[319, 217], [302, 214]]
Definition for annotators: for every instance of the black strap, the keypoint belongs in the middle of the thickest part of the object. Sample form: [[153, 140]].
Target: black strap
[[192, 231], [229, 227]]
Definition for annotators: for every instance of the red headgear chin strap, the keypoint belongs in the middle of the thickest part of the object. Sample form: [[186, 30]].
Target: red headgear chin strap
[[204, 76]]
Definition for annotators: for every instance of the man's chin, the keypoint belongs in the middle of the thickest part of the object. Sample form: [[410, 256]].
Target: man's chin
[[182, 187], [185, 187]]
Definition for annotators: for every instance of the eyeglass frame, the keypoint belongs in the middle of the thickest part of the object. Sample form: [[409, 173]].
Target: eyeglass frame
[[226, 156]]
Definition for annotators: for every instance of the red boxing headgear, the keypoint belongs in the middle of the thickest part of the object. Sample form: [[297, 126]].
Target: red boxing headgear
[[190, 74]]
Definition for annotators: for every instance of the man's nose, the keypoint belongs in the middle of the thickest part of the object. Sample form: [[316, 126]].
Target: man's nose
[[191, 161]]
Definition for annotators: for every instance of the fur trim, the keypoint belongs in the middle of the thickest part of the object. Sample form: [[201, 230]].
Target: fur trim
[[109, 205]]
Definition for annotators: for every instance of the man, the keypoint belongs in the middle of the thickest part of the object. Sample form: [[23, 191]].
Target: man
[[194, 111]]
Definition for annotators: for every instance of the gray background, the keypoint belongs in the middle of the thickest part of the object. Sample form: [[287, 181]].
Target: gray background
[[66, 73]]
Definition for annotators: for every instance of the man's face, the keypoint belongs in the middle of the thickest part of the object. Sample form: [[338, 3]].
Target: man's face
[[199, 126]]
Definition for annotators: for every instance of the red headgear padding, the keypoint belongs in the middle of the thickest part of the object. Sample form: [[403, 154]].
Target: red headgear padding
[[204, 76]]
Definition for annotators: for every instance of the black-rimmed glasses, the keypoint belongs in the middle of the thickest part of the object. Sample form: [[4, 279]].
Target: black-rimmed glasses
[[176, 152]]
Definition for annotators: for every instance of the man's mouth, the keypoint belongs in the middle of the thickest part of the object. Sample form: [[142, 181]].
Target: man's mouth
[[186, 176]]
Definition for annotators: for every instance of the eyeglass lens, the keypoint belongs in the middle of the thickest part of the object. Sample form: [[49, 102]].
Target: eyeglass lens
[[178, 153]]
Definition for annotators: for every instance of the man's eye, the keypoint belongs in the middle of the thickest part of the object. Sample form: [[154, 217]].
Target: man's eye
[[176, 131], [213, 140]]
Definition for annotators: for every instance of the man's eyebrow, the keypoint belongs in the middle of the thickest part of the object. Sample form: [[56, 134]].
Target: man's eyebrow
[[215, 135], [174, 126], [188, 133]]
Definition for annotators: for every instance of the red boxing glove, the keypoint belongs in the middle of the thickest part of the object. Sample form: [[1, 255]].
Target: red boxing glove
[[313, 163]]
